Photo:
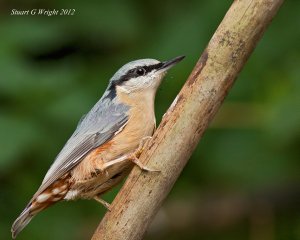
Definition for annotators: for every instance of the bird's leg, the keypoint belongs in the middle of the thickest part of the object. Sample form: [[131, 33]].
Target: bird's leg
[[104, 203], [121, 159], [134, 157]]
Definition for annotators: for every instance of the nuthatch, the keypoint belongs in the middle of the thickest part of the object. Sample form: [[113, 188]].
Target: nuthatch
[[101, 151]]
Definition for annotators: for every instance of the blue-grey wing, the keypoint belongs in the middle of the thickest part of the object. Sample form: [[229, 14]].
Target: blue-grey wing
[[95, 129]]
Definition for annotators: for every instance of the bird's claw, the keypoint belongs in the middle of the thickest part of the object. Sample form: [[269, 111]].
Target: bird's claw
[[103, 202], [137, 162]]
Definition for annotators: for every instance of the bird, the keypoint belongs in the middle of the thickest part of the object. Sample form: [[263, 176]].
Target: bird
[[107, 141]]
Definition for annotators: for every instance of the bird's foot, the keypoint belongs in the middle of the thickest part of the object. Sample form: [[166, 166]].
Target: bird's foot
[[133, 157], [103, 202]]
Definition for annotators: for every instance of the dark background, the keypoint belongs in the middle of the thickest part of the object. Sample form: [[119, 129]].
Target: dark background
[[243, 181]]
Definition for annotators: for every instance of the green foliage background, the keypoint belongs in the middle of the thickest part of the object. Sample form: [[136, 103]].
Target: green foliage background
[[243, 179]]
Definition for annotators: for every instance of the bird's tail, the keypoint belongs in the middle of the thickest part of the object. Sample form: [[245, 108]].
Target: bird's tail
[[25, 217], [21, 222], [40, 201]]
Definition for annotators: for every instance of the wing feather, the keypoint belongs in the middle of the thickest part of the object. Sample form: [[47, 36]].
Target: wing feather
[[98, 126]]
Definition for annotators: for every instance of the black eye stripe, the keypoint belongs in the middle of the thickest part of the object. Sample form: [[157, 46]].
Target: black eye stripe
[[132, 73], [151, 67]]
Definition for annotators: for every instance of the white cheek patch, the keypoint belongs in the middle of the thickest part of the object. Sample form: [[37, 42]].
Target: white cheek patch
[[151, 80], [136, 82]]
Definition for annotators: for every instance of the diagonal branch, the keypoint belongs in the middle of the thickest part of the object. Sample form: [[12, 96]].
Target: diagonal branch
[[187, 118]]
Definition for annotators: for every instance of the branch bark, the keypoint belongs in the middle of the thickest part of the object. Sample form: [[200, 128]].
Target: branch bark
[[187, 118]]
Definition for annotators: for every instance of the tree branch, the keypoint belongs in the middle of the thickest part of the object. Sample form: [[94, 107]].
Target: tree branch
[[187, 118]]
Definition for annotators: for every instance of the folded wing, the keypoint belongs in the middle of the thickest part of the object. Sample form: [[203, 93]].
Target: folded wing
[[96, 128]]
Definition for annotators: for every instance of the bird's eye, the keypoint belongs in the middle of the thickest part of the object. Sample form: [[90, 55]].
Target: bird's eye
[[141, 71]]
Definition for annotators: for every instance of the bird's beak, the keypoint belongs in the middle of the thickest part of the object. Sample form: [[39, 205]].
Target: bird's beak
[[168, 64]]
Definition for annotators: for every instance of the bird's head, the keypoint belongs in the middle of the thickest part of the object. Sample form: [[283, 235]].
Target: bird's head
[[141, 75]]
